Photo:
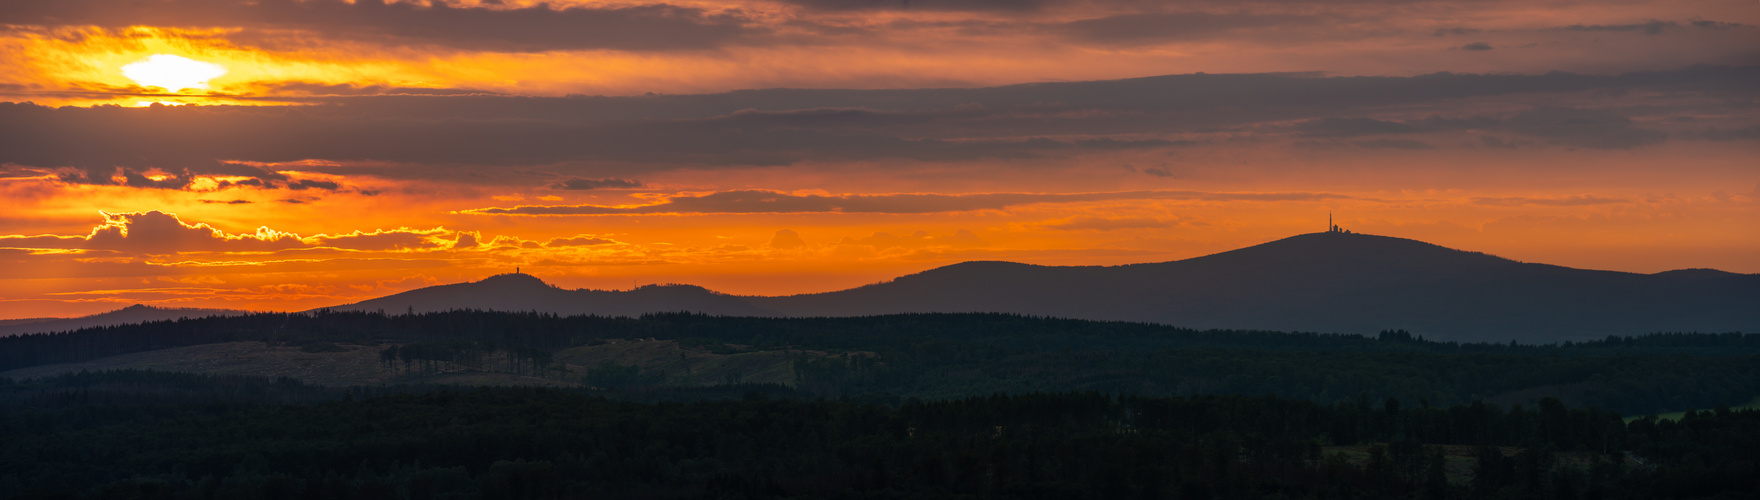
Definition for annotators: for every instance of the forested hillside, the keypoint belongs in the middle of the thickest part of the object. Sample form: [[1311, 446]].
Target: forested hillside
[[961, 355], [96, 436]]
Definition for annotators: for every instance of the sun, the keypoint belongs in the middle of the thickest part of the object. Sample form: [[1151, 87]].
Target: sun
[[172, 73]]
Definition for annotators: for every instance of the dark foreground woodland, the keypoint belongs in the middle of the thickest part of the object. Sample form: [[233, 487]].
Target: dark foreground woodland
[[941, 356], [907, 406], [157, 435]]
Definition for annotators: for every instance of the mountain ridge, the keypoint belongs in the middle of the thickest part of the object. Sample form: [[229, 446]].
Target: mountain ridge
[[137, 313], [524, 292], [1326, 282]]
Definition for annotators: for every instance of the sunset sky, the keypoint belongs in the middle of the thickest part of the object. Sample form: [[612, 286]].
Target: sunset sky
[[288, 154]]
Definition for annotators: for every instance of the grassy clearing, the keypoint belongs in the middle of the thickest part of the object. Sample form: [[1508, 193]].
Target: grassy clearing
[[685, 366]]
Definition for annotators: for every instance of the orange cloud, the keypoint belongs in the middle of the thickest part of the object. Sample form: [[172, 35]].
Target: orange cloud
[[159, 233], [578, 241]]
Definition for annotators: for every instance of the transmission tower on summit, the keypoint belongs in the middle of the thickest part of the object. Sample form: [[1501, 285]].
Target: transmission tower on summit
[[1333, 228]]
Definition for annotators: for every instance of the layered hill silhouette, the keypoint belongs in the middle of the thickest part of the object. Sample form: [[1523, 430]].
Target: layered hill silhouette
[[1321, 282], [137, 313], [1328, 282], [524, 292]]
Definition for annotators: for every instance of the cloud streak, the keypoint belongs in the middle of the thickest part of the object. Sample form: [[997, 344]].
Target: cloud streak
[[787, 126], [929, 5], [650, 27], [773, 202], [1155, 28], [591, 184]]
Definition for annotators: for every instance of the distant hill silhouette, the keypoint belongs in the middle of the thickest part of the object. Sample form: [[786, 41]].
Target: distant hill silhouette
[[1322, 282], [524, 292], [137, 313], [1328, 282]]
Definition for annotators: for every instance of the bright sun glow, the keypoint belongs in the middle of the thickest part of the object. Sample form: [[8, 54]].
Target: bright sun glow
[[173, 73]]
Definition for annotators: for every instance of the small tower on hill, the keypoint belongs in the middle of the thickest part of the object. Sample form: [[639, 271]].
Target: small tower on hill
[[1333, 228]]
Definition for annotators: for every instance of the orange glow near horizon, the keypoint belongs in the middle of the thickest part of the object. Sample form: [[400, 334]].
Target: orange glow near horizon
[[294, 155]]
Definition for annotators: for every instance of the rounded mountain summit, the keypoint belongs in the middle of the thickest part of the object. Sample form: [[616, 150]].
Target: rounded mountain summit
[[1321, 282]]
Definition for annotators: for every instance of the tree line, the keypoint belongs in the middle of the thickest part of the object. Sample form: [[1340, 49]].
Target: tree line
[[546, 443], [940, 356]]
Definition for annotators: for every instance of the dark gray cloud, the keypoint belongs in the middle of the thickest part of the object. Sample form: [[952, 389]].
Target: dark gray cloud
[[578, 241], [1235, 94], [772, 202], [1444, 123], [304, 184], [1393, 144], [1701, 23], [1589, 128], [610, 138], [528, 29], [1159, 172], [1653, 26], [1498, 143], [1476, 46], [578, 184], [928, 5], [92, 143], [1028, 6], [1352, 127], [1720, 135], [1131, 29], [660, 26]]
